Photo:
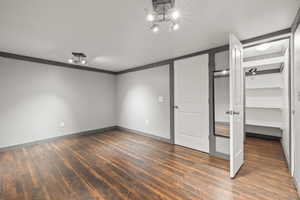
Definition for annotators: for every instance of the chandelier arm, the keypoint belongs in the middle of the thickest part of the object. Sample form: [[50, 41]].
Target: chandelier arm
[[162, 11]]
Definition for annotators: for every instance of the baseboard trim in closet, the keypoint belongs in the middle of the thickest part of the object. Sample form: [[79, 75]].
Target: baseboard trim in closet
[[120, 128], [267, 137], [221, 155], [89, 132], [297, 185]]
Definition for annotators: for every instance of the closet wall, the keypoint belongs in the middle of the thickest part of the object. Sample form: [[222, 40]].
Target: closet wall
[[264, 101]]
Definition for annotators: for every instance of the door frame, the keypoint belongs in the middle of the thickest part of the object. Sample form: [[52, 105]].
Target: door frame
[[210, 54], [294, 28]]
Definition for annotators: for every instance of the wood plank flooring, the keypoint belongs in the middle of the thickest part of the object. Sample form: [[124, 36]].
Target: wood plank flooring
[[119, 165]]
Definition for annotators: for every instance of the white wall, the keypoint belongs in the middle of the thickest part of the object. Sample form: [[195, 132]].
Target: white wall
[[138, 107], [36, 98]]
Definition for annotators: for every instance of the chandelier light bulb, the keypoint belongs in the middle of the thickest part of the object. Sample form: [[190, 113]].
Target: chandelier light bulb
[[175, 14], [78, 58], [150, 17], [155, 28], [175, 27], [71, 60], [83, 62]]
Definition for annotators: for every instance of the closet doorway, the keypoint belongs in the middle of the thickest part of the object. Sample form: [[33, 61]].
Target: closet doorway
[[266, 95], [267, 92]]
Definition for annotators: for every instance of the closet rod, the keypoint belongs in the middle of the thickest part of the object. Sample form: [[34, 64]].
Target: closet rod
[[268, 71]]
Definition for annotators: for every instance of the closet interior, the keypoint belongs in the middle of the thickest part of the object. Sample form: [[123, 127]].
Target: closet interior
[[267, 95]]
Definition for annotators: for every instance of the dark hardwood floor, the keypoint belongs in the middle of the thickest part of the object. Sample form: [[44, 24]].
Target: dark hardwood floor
[[118, 165]]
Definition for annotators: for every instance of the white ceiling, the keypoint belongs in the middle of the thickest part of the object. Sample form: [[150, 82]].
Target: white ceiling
[[276, 47], [115, 35]]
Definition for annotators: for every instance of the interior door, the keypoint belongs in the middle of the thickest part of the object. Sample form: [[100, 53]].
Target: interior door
[[191, 103], [236, 106]]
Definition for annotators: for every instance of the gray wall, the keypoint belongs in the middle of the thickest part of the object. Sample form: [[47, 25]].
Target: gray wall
[[138, 105], [222, 60], [37, 98]]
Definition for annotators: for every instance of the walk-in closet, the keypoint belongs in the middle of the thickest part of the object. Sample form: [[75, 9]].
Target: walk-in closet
[[267, 96]]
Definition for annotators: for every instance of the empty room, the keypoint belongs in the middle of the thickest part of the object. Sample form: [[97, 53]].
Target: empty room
[[150, 100]]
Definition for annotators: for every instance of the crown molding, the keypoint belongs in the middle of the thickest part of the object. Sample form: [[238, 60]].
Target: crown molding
[[148, 66], [208, 51], [51, 62]]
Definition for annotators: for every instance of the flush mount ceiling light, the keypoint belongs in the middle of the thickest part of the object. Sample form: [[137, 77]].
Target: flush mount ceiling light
[[78, 58], [163, 12], [263, 47]]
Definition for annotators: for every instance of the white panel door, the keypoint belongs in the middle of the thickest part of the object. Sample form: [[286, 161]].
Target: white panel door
[[236, 106], [191, 103]]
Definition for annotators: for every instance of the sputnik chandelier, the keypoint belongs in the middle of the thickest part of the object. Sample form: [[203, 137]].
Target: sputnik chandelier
[[164, 12], [78, 58]]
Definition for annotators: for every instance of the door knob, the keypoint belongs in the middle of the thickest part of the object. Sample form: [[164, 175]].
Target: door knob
[[176, 107], [231, 112]]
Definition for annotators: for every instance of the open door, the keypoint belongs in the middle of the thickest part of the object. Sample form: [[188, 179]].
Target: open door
[[236, 106]]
